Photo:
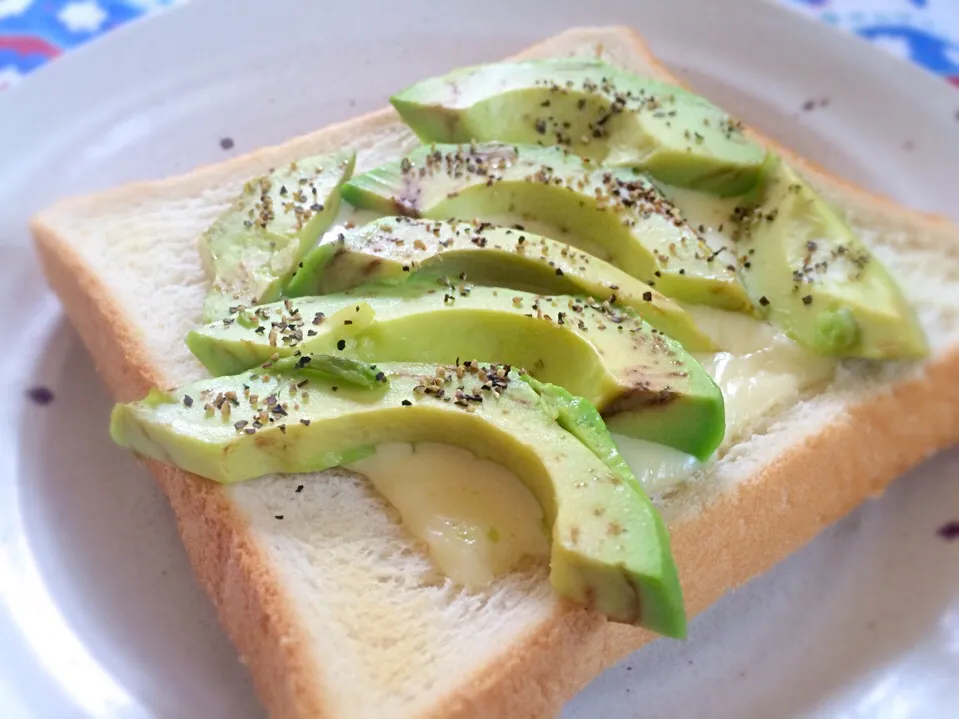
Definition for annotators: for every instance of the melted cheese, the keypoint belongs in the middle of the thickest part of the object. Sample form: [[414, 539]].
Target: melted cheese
[[475, 517], [759, 369], [658, 468]]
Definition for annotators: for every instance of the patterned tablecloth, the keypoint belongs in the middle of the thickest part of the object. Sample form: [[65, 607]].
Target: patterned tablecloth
[[33, 32]]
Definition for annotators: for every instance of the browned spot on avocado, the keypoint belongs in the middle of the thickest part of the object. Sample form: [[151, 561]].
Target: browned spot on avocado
[[371, 266], [406, 207], [262, 441], [599, 511], [636, 610], [450, 118], [590, 599], [614, 529], [574, 535], [643, 395]]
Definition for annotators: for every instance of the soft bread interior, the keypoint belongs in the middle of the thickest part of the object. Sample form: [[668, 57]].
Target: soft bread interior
[[336, 609]]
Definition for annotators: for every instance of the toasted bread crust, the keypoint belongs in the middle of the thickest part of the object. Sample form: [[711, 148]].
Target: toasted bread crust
[[823, 480], [259, 620]]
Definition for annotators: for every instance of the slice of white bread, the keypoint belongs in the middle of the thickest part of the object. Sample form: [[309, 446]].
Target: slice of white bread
[[335, 608]]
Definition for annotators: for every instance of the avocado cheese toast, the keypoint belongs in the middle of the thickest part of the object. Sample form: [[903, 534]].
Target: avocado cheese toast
[[372, 630]]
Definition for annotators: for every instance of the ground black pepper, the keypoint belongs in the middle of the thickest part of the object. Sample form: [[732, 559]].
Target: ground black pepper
[[40, 395], [949, 531]]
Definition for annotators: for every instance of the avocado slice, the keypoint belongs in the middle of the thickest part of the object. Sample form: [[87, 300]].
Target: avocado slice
[[644, 382], [614, 214], [810, 274], [399, 250], [251, 249], [610, 550], [593, 109]]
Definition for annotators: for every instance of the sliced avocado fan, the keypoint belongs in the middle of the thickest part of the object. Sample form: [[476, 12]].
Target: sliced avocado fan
[[617, 215], [645, 384], [593, 109], [398, 251], [610, 549], [808, 273], [251, 250]]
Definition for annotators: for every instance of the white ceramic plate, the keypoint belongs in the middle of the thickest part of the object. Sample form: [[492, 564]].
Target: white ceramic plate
[[99, 612]]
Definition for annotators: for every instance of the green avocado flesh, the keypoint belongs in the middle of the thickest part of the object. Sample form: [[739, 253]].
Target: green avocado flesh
[[610, 550], [399, 251], [809, 274], [645, 383], [614, 214], [252, 249], [335, 369], [593, 109]]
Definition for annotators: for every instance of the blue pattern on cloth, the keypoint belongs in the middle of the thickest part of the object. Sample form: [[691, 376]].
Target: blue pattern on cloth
[[926, 32], [32, 32]]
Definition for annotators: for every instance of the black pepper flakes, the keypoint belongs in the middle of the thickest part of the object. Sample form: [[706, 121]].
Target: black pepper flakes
[[807, 300], [305, 422], [648, 296], [40, 395], [341, 345], [407, 403], [949, 531], [226, 143], [187, 400], [763, 301]]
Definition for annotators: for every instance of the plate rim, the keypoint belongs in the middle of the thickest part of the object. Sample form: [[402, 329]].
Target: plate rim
[[105, 46]]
